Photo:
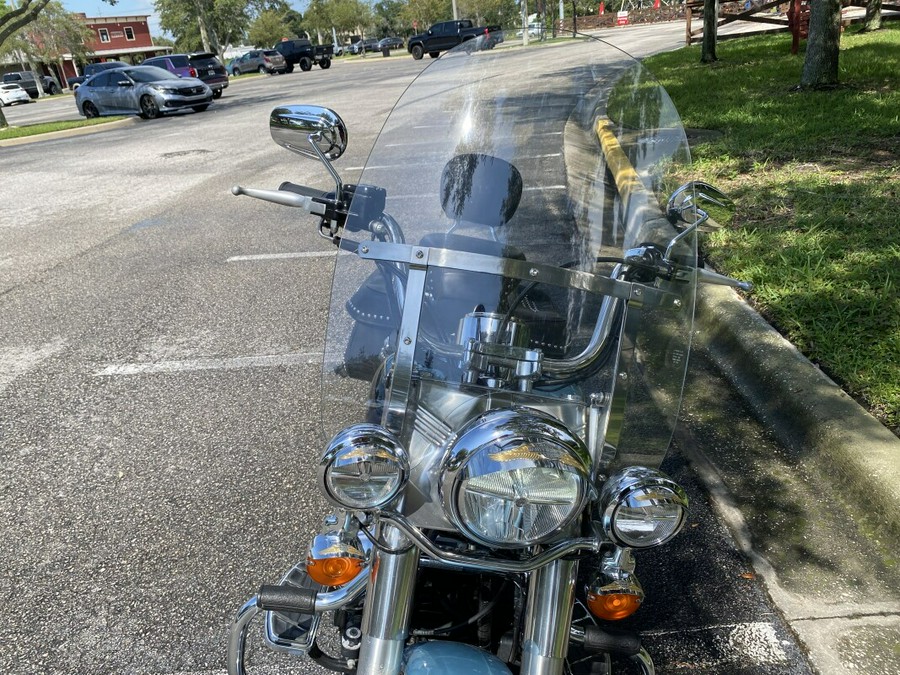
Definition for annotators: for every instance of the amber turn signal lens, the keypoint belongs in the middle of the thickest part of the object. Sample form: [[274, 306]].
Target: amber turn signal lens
[[613, 606], [335, 571]]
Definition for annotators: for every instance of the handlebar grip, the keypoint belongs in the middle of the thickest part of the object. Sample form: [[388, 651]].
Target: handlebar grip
[[285, 598], [287, 186], [706, 276], [283, 197]]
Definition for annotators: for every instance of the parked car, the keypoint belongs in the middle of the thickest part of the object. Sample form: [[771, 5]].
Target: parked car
[[202, 65], [10, 94], [174, 63], [258, 60], [211, 71], [147, 91], [92, 69], [534, 30], [27, 80], [302, 52], [369, 45], [390, 43]]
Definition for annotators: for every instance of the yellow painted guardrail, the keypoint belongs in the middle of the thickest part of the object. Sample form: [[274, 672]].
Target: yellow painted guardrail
[[627, 180]]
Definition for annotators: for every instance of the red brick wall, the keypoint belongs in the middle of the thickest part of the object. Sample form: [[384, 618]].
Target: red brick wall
[[115, 29]]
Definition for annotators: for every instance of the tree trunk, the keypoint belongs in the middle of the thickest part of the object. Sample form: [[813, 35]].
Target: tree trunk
[[3, 122], [37, 77], [820, 67], [873, 16], [710, 31]]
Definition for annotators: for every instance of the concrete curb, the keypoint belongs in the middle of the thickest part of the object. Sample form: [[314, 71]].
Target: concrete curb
[[805, 409], [66, 133]]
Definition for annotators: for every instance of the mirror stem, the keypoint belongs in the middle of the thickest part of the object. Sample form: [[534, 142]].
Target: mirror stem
[[339, 186], [702, 217]]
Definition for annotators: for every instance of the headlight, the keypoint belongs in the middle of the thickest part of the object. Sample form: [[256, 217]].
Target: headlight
[[641, 507], [363, 467], [162, 89], [514, 477]]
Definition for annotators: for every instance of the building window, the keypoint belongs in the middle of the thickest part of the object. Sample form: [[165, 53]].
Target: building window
[[104, 35], [129, 33]]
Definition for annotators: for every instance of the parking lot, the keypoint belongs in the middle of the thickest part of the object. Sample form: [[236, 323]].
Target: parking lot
[[159, 380]]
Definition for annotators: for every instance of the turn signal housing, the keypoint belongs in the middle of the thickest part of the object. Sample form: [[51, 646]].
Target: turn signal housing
[[335, 559], [613, 606], [615, 593]]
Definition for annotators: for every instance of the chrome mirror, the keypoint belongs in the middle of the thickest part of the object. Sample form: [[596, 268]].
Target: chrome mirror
[[700, 205], [697, 206], [309, 130]]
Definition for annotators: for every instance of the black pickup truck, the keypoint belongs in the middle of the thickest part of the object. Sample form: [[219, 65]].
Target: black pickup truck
[[303, 53], [27, 80], [447, 34], [92, 69]]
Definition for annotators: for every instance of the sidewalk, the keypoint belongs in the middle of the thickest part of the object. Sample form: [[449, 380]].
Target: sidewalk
[[811, 492]]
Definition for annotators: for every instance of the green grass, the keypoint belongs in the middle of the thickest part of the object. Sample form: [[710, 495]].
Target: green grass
[[35, 129], [816, 176]]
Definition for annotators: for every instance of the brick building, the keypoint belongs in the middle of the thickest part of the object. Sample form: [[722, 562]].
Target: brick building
[[116, 38]]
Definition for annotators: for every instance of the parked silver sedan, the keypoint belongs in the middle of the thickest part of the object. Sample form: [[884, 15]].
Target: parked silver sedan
[[147, 91]]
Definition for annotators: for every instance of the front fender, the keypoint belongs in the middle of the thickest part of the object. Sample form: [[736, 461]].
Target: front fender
[[450, 658]]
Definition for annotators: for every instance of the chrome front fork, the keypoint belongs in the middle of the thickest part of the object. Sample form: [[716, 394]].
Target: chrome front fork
[[551, 596], [389, 598]]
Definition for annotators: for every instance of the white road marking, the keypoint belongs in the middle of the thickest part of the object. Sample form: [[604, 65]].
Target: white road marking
[[282, 256], [235, 363], [16, 361]]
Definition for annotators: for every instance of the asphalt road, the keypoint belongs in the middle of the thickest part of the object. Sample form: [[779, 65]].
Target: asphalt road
[[159, 398]]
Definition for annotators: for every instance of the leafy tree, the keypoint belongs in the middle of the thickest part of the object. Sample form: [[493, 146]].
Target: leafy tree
[[15, 18], [53, 32], [426, 12], [349, 16], [820, 66], [504, 12], [162, 41], [210, 25], [388, 17], [268, 28], [318, 18], [294, 21]]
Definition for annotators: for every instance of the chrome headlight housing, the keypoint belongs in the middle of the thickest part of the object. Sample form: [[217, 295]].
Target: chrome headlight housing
[[363, 467], [641, 507], [514, 477]]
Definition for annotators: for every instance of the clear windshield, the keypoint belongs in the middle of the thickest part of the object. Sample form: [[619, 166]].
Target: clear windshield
[[513, 182]]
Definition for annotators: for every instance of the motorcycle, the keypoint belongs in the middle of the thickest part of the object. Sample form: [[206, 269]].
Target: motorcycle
[[507, 342]]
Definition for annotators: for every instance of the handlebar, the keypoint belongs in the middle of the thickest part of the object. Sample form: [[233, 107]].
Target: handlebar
[[705, 276], [297, 196]]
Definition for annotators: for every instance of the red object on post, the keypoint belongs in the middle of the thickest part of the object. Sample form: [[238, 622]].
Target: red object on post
[[655, 4], [798, 22]]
